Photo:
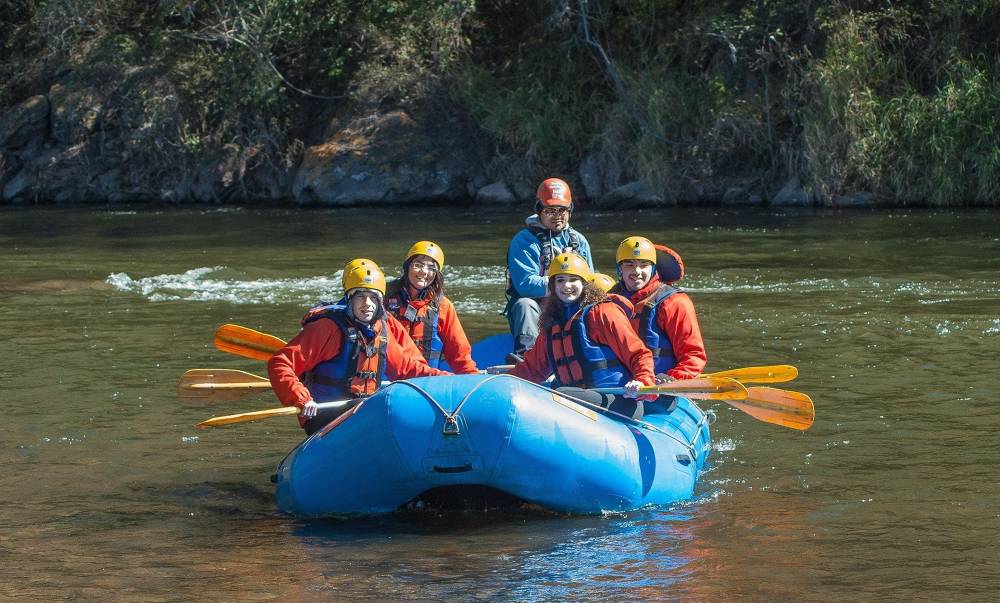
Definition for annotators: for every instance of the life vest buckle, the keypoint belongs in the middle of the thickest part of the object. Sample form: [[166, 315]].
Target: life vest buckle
[[450, 426]]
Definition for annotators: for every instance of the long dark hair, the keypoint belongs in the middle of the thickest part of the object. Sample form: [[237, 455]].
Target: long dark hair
[[435, 290], [552, 306]]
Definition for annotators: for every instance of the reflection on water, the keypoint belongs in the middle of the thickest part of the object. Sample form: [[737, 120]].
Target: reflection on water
[[110, 490]]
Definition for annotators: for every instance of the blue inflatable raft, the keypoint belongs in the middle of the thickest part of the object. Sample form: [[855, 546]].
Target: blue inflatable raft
[[498, 432]]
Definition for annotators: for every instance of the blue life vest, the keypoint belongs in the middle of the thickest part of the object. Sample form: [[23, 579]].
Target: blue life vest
[[358, 370], [577, 360], [654, 337]]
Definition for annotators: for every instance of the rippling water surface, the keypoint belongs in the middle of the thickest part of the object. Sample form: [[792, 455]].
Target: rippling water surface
[[109, 490]]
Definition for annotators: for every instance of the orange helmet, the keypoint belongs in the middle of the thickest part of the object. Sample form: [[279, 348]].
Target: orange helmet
[[553, 192]]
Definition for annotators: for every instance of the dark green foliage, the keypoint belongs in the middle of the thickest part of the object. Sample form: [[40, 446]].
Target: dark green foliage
[[898, 98]]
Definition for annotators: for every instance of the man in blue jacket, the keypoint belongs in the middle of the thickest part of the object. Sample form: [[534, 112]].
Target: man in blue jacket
[[546, 234]]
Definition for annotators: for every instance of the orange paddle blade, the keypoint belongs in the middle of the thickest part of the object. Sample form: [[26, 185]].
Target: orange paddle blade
[[783, 407], [246, 342]]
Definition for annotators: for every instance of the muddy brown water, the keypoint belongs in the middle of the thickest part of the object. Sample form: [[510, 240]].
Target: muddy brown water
[[110, 492]]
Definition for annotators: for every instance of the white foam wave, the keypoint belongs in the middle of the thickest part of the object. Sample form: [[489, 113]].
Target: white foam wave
[[468, 287], [475, 276], [218, 283]]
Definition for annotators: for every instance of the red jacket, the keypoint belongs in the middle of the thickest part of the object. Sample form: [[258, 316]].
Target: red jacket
[[321, 340], [677, 319], [606, 325], [457, 350]]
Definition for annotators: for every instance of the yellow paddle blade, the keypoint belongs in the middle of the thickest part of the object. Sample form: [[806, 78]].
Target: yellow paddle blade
[[778, 406], [246, 342], [701, 388], [774, 373], [249, 416], [195, 376], [204, 386]]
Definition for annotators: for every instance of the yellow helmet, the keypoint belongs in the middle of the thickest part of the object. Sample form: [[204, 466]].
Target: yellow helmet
[[358, 262], [569, 263], [635, 248], [602, 280], [428, 248], [365, 277]]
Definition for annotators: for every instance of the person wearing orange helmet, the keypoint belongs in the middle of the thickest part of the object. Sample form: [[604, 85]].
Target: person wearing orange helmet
[[546, 234], [417, 300], [665, 318], [586, 341], [345, 350]]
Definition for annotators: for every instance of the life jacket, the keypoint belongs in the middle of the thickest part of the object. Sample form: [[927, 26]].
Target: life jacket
[[544, 236], [358, 369], [577, 360], [649, 331], [422, 323]]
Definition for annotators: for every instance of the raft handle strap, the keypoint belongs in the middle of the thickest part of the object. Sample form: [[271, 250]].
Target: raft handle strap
[[450, 418]]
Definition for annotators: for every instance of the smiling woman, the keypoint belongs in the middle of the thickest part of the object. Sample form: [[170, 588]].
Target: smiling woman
[[585, 341], [417, 300]]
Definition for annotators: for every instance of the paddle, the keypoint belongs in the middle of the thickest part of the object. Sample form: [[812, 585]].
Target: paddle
[[218, 385], [775, 373], [778, 406], [246, 342], [245, 417], [702, 388], [768, 404]]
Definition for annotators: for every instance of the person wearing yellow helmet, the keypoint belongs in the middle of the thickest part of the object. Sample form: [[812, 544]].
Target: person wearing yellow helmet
[[586, 341], [418, 301], [546, 234], [345, 350], [602, 280], [665, 318]]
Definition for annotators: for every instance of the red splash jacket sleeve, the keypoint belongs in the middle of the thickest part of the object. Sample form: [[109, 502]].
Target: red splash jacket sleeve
[[678, 320], [535, 367], [318, 341], [457, 350], [607, 324]]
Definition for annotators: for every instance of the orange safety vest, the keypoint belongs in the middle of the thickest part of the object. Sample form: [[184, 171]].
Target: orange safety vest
[[577, 360]]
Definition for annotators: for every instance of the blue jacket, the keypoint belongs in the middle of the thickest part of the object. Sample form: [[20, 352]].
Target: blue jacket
[[525, 265]]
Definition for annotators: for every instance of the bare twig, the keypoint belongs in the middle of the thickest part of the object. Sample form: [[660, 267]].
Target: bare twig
[[237, 29], [616, 78]]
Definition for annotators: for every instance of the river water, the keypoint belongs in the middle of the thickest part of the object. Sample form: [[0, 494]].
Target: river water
[[109, 491]]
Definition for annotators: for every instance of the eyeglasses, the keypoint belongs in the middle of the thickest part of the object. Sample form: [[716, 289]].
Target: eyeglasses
[[552, 212], [425, 266]]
